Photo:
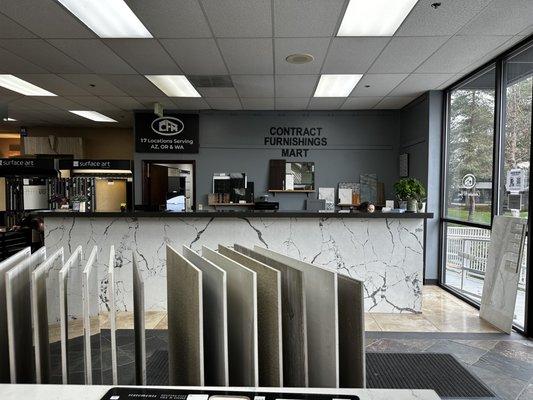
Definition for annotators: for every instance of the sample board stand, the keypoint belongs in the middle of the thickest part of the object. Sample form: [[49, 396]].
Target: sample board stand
[[91, 320], [112, 315], [139, 324]]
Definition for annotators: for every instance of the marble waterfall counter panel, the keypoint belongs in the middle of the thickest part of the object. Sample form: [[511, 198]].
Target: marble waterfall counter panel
[[386, 253]]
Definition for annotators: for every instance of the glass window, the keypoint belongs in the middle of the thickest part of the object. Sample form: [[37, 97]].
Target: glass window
[[470, 149]]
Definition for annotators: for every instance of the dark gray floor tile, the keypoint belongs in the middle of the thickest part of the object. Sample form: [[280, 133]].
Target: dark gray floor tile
[[465, 354]]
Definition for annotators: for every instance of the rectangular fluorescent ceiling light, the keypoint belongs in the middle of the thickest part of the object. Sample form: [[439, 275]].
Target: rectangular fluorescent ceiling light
[[18, 85], [336, 85], [174, 85], [107, 18], [93, 116], [9, 120], [374, 17]]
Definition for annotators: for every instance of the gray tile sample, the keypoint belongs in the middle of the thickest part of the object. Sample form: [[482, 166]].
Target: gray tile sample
[[320, 287], [19, 326], [242, 320], [215, 318], [5, 266], [69, 285], [293, 319], [42, 281], [269, 336], [369, 188], [506, 252], [185, 321], [91, 321], [139, 324], [351, 332]]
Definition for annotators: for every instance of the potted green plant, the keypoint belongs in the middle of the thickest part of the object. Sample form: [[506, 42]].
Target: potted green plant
[[409, 191]]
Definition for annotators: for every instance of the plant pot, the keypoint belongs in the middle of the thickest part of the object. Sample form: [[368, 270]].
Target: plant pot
[[402, 205], [412, 206], [422, 206]]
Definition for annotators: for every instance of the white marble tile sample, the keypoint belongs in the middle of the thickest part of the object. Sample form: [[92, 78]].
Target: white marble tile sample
[[269, 335], [139, 323], [185, 321], [91, 321], [112, 316], [215, 317], [5, 266], [242, 320]]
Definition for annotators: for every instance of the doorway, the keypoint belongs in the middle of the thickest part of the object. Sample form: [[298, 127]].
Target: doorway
[[169, 185]]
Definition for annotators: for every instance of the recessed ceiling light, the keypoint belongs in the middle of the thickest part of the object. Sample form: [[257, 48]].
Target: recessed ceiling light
[[9, 120], [107, 18], [299, 58], [336, 85], [374, 17], [93, 116], [174, 85], [18, 85]]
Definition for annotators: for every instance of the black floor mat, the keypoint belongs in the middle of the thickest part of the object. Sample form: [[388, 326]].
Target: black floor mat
[[440, 372]]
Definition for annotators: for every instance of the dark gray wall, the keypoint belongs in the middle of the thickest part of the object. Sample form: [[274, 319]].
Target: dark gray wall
[[358, 142]]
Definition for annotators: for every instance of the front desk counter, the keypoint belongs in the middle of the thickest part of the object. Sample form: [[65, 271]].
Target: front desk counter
[[384, 250], [69, 392]]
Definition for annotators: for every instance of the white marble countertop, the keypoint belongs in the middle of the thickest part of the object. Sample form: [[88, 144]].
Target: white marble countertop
[[79, 392]]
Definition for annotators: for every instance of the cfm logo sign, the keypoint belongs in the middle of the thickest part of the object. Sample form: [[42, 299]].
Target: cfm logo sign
[[168, 126]]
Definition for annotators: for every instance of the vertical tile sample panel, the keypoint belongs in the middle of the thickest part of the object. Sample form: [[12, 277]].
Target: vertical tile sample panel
[[351, 332], [320, 287], [270, 342], [139, 323], [109, 323], [215, 319], [5, 266], [498, 299], [369, 187], [71, 319], [91, 321], [242, 320], [42, 278], [185, 321], [19, 325], [293, 319]]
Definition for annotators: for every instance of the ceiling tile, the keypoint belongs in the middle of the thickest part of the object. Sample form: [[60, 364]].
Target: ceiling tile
[[350, 55], [93, 54], [470, 48], [295, 85], [239, 18], [190, 103], [404, 54], [217, 91], [48, 19], [248, 56], [123, 102], [446, 20], [360, 103], [93, 84], [134, 85], [9, 29], [310, 18], [224, 103], [12, 64], [254, 85], [263, 103], [43, 54], [147, 56], [295, 103], [326, 103], [93, 103], [417, 84], [393, 103], [196, 56], [171, 18], [379, 84], [55, 84], [60, 102], [7, 95], [29, 103], [317, 47], [502, 17], [148, 101]]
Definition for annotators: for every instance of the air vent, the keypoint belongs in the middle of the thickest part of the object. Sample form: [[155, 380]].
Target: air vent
[[207, 81]]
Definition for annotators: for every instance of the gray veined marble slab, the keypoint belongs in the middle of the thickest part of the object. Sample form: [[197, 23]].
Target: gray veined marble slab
[[139, 322], [242, 320], [185, 321], [91, 321], [42, 279], [111, 322], [270, 341], [69, 285], [5, 266], [294, 327], [19, 325], [351, 332], [215, 318], [506, 250], [320, 287]]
